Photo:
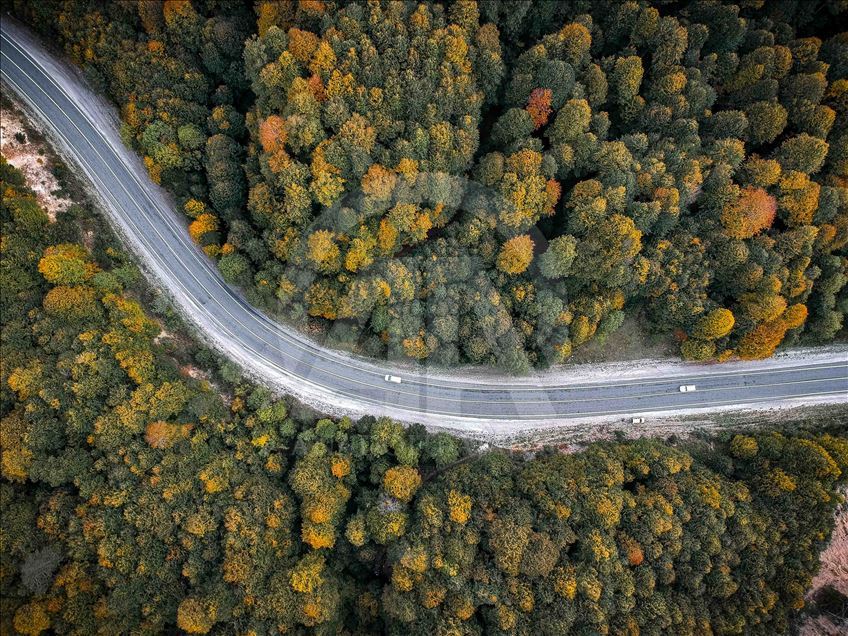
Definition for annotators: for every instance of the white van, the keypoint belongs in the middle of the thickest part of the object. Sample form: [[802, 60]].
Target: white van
[[392, 378], [687, 388]]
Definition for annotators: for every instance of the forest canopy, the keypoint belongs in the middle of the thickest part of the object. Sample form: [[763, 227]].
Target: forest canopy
[[146, 493], [497, 182]]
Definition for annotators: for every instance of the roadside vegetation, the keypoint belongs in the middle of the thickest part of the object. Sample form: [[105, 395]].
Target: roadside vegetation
[[496, 182], [147, 492]]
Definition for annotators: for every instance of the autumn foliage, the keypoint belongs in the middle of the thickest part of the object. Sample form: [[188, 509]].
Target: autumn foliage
[[753, 212], [716, 324], [138, 498], [195, 616], [664, 159], [402, 482], [762, 341], [66, 264], [516, 255], [539, 106]]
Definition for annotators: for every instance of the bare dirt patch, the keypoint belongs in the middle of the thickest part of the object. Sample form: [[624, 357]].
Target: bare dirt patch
[[164, 334], [191, 371], [31, 157], [833, 574], [834, 559]]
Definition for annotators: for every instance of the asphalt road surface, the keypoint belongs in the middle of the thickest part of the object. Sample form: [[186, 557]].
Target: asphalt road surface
[[86, 132]]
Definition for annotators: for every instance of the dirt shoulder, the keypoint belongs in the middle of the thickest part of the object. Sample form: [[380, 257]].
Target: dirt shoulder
[[26, 149], [824, 616]]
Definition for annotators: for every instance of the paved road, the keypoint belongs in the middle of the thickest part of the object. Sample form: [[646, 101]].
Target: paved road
[[86, 132]]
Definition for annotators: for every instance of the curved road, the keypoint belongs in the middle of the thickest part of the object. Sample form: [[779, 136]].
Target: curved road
[[86, 132]]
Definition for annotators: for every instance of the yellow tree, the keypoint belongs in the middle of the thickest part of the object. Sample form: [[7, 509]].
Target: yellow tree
[[163, 435], [66, 264], [74, 302], [16, 457], [716, 324], [799, 198], [763, 306], [516, 255], [196, 616], [203, 226], [323, 251], [31, 619], [317, 479], [795, 315], [401, 482], [322, 300]]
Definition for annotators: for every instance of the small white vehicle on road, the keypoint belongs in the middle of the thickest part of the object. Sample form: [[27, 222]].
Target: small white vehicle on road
[[392, 378], [687, 388], [637, 420]]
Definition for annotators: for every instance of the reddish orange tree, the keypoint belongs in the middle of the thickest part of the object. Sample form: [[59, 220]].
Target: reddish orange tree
[[539, 106], [750, 214], [762, 341]]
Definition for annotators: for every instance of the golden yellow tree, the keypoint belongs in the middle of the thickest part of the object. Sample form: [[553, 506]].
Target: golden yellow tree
[[716, 324], [196, 616], [203, 225], [31, 619], [323, 251], [16, 457], [66, 264], [401, 482], [795, 315], [516, 255]]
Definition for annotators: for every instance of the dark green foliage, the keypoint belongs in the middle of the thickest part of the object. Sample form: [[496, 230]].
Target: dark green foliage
[[139, 498]]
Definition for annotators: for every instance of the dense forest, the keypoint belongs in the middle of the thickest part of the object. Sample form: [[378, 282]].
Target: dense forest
[[144, 494], [496, 182]]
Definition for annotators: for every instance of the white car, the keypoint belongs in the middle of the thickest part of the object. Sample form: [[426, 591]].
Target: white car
[[637, 420], [687, 388], [392, 378]]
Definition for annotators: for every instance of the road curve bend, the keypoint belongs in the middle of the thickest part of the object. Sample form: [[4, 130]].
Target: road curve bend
[[86, 132]]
